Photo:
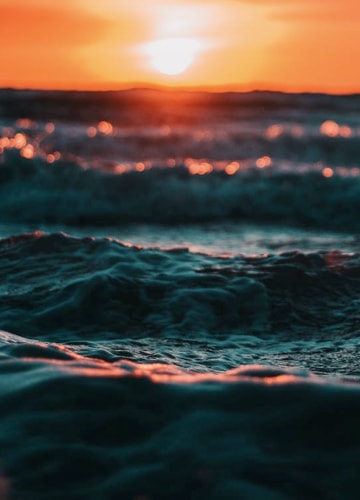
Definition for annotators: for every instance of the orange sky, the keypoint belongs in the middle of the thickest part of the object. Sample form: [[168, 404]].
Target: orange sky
[[296, 45]]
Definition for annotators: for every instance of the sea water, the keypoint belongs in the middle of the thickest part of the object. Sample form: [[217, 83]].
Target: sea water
[[179, 295]]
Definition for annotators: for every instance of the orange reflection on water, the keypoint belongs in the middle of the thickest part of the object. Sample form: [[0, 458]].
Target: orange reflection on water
[[161, 373], [232, 168], [122, 168], [333, 129], [335, 260], [49, 128], [198, 167], [23, 123], [263, 162], [345, 131], [327, 172], [170, 162], [193, 168], [27, 152], [4, 142], [91, 132], [274, 131], [164, 374], [105, 128], [140, 167], [330, 128], [203, 136], [297, 131], [20, 140], [165, 130], [205, 168]]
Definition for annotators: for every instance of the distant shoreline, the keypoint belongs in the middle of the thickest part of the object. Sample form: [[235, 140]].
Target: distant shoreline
[[161, 105], [171, 90]]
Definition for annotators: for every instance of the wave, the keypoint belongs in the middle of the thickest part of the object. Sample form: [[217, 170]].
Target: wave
[[64, 193], [143, 373], [157, 374], [83, 428], [103, 287], [326, 141]]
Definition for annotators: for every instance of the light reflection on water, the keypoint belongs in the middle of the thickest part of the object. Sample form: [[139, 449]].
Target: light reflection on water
[[231, 147], [218, 239]]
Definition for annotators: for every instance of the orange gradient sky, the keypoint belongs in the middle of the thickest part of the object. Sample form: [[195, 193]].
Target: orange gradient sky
[[295, 45]]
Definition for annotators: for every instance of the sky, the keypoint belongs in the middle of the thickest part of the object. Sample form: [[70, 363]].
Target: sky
[[291, 45]]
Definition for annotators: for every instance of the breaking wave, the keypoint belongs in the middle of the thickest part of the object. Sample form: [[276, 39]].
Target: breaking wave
[[31, 191]]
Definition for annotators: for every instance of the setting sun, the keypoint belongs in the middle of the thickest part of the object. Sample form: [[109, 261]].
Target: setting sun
[[172, 56], [297, 45]]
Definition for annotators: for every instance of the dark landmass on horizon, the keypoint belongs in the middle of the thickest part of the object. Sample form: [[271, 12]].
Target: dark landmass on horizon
[[159, 105]]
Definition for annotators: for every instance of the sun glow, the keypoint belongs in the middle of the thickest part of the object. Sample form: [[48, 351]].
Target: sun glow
[[172, 56]]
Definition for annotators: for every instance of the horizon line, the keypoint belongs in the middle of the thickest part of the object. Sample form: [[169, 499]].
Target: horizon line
[[213, 89]]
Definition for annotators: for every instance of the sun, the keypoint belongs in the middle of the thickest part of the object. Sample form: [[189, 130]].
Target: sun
[[172, 56]]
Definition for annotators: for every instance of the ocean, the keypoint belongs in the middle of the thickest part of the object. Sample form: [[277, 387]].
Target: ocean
[[179, 295]]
